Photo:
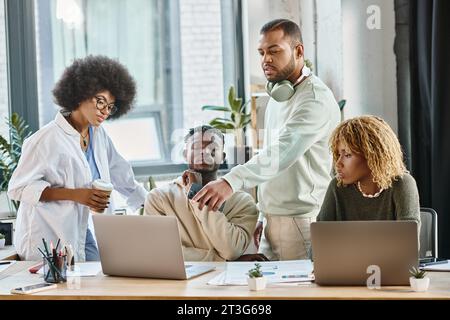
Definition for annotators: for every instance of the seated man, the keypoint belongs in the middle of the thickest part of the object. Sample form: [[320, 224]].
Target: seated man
[[206, 236]]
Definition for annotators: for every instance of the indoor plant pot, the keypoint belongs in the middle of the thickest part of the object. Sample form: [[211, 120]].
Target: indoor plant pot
[[419, 285], [256, 284], [256, 280], [418, 280]]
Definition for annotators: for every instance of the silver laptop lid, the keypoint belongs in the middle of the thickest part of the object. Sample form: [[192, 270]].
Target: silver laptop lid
[[344, 250], [140, 246]]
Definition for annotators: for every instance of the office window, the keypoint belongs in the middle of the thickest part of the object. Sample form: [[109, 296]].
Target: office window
[[172, 48], [4, 108]]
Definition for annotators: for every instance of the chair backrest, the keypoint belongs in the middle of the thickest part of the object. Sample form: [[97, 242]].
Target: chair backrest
[[428, 233]]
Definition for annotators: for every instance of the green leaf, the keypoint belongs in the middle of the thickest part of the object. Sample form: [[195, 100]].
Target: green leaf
[[237, 104], [223, 128], [10, 152], [234, 102], [342, 104], [231, 96], [256, 272], [4, 145], [221, 124], [417, 273], [242, 109], [246, 123], [236, 118], [216, 108], [245, 119], [224, 120]]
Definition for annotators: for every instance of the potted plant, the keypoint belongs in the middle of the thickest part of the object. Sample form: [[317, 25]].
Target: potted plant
[[10, 153], [236, 119], [418, 280], [2, 240], [256, 280]]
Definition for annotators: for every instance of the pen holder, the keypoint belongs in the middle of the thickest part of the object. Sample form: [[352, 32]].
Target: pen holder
[[55, 269]]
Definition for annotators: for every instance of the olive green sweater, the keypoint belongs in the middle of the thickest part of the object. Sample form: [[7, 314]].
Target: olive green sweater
[[400, 202]]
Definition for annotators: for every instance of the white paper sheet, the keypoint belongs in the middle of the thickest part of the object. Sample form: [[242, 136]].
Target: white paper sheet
[[438, 267], [3, 267], [274, 271], [218, 280]]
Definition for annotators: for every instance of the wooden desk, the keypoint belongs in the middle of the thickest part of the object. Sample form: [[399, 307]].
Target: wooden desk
[[104, 287]]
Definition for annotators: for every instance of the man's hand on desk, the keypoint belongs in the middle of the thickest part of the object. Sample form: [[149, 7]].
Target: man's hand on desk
[[252, 257], [215, 194]]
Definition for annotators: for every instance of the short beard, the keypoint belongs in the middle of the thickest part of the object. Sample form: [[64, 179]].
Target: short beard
[[208, 175], [208, 171], [286, 71]]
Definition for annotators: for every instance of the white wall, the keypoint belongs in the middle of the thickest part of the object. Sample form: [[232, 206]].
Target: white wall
[[357, 64], [201, 59], [329, 45], [307, 23], [370, 83], [259, 13]]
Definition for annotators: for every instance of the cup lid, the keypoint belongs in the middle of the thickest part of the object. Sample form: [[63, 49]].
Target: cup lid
[[102, 185]]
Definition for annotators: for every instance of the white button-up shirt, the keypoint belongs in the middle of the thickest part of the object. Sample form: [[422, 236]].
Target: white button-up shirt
[[52, 157]]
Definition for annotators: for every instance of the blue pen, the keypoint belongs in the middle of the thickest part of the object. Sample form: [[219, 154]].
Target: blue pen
[[288, 276]]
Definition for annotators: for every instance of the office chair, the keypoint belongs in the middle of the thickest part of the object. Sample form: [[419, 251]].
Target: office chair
[[428, 233]]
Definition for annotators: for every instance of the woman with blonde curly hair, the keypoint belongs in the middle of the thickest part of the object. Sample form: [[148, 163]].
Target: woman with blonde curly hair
[[371, 180]]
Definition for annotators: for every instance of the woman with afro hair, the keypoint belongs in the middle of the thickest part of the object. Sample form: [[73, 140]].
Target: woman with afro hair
[[372, 182], [59, 162]]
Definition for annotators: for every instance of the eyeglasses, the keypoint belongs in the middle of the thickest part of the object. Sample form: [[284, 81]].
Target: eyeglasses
[[101, 104]]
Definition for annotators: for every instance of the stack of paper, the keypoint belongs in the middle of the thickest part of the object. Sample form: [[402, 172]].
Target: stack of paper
[[438, 267], [275, 271]]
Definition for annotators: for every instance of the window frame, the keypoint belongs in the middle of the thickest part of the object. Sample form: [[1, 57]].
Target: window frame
[[23, 77], [21, 60]]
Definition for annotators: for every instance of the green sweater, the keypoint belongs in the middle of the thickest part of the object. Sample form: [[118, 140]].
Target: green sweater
[[400, 202]]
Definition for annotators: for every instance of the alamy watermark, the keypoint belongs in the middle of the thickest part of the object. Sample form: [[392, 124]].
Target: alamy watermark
[[373, 21], [374, 280]]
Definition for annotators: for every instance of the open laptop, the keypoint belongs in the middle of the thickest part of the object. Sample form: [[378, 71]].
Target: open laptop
[[142, 246], [344, 251]]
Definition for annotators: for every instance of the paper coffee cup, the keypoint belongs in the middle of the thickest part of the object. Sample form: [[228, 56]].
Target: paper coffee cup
[[103, 186]]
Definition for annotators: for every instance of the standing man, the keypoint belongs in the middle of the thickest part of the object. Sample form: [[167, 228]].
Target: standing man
[[293, 168]]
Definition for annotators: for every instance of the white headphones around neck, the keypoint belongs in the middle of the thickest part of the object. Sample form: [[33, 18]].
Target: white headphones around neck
[[284, 90]]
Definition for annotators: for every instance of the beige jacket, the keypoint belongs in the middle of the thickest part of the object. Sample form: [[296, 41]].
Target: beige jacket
[[206, 236]]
